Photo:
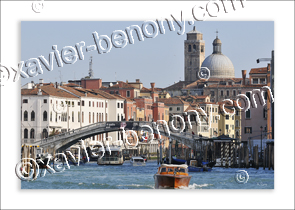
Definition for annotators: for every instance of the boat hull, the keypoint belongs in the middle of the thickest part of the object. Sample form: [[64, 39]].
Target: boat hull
[[195, 169], [171, 181]]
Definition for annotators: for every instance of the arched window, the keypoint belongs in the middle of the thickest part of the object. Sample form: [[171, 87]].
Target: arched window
[[102, 117], [99, 117], [50, 116], [79, 117], [189, 48], [89, 117], [237, 123], [106, 116], [195, 48], [32, 116], [93, 117], [44, 116], [44, 133], [25, 133], [118, 117], [25, 116], [72, 116], [32, 133]]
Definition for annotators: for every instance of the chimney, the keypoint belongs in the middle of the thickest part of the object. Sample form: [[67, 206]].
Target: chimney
[[126, 81], [137, 81], [244, 72], [153, 86], [39, 92]]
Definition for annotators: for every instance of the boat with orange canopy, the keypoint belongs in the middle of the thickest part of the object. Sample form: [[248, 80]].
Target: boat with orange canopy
[[172, 176]]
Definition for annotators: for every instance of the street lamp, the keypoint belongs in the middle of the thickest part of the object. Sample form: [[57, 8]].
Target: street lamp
[[261, 143]]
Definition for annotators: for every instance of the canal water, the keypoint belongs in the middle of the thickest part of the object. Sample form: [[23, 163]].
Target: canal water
[[126, 176]]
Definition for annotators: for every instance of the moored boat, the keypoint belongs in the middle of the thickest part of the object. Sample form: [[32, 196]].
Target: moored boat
[[193, 167], [172, 176]]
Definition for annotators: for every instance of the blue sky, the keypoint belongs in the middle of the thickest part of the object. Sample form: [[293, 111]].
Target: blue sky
[[159, 59]]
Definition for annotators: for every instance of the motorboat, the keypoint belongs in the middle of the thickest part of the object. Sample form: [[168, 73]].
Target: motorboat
[[170, 176], [137, 161]]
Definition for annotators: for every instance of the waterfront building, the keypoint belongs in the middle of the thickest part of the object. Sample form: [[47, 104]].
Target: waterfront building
[[48, 109]]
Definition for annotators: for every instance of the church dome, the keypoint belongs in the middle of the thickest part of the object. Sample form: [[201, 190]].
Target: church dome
[[220, 66]]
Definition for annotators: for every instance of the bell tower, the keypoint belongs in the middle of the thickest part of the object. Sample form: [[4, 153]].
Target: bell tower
[[194, 54]]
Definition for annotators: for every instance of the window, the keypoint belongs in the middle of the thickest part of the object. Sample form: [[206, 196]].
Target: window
[[106, 105], [227, 117], [55, 117], [89, 117], [111, 92], [122, 119], [170, 108], [226, 127], [96, 104], [106, 116], [118, 106], [212, 93], [82, 117], [25, 101], [45, 101], [50, 116], [73, 104], [32, 133], [93, 104], [99, 117], [234, 92], [221, 92], [122, 105], [79, 117], [178, 108], [262, 80], [72, 116], [232, 127], [82, 103], [233, 117], [89, 103], [189, 48], [102, 104], [239, 92], [93, 117], [128, 93], [25, 116], [202, 48], [44, 133], [195, 48], [237, 123], [227, 92], [248, 114], [237, 112], [248, 94], [117, 92], [25, 133], [44, 116], [248, 129], [102, 117], [118, 117], [216, 110], [78, 103], [255, 81], [230, 83], [32, 116]]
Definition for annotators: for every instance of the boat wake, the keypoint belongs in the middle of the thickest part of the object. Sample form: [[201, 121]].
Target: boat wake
[[197, 186]]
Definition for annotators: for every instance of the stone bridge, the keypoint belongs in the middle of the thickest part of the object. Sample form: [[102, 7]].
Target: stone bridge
[[63, 141]]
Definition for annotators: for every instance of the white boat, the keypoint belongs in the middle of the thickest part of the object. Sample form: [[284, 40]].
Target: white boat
[[110, 156], [137, 161]]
